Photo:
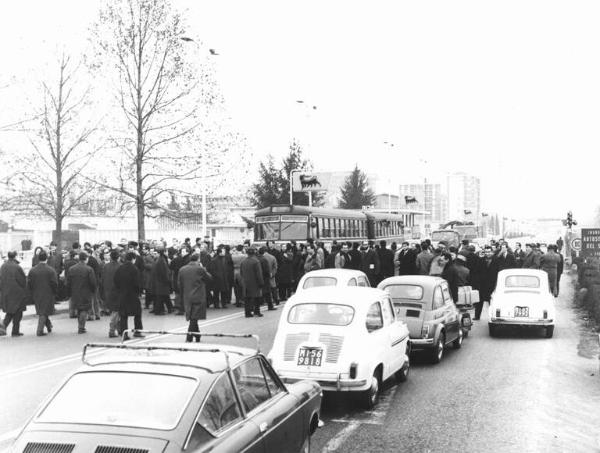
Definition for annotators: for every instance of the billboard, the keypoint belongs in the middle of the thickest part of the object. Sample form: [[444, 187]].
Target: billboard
[[590, 242], [310, 182]]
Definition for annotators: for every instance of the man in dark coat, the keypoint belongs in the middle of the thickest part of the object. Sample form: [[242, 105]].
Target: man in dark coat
[[370, 263], [13, 294], [549, 263], [219, 270], [285, 274], [42, 282], [505, 258], [161, 283], [266, 272], [236, 259], [70, 262], [488, 273], [180, 259], [148, 260], [111, 297], [407, 260], [355, 257], [92, 262], [128, 283], [559, 269], [457, 275], [191, 281], [253, 281], [386, 261], [81, 286]]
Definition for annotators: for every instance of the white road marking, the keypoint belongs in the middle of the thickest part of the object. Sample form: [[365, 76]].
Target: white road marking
[[336, 442], [76, 356]]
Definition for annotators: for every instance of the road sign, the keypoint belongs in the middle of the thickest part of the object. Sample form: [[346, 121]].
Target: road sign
[[576, 244], [590, 242]]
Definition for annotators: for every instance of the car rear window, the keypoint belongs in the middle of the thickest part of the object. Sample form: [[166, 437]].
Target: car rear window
[[314, 282], [316, 313], [140, 400], [412, 292], [522, 281]]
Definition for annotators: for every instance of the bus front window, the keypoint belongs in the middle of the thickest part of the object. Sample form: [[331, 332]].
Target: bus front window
[[293, 231]]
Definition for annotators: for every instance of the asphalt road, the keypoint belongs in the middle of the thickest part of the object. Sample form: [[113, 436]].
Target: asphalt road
[[520, 392]]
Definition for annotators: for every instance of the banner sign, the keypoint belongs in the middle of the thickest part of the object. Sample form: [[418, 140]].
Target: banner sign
[[590, 242], [310, 182]]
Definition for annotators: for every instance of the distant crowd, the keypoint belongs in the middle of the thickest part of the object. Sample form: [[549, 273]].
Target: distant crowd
[[185, 278]]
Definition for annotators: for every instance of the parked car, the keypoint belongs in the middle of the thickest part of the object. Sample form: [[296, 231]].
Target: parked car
[[522, 298], [425, 304], [346, 339], [333, 277], [173, 397]]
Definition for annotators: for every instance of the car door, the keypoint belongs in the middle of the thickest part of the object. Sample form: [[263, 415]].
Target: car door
[[221, 425], [396, 334], [379, 347], [452, 319], [270, 406]]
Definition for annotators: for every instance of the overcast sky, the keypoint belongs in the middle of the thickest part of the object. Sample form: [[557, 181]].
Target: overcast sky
[[508, 91]]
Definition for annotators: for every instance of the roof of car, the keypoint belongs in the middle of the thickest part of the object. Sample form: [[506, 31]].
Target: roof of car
[[422, 280], [334, 273], [189, 359], [352, 295], [522, 271]]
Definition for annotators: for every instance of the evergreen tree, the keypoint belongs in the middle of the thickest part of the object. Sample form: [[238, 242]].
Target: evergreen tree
[[356, 192], [273, 186]]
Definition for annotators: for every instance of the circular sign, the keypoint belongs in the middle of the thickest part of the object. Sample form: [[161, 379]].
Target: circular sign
[[576, 244]]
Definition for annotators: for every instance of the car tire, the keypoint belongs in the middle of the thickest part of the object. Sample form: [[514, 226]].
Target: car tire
[[370, 397], [438, 350], [465, 333], [457, 344], [402, 374], [549, 331]]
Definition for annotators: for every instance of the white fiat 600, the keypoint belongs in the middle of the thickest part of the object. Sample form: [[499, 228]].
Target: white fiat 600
[[346, 339], [522, 298]]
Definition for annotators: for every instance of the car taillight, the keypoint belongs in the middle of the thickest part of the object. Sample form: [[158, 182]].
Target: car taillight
[[353, 370], [497, 312], [425, 331], [545, 314]]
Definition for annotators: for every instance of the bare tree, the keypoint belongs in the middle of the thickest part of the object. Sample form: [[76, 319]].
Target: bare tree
[[162, 96], [45, 180]]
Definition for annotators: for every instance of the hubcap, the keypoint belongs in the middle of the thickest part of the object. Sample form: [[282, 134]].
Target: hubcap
[[374, 388], [440, 349]]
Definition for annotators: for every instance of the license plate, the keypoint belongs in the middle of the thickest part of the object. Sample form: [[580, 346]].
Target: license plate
[[521, 312], [310, 356]]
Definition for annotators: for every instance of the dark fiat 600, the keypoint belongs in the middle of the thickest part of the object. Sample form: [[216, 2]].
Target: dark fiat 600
[[426, 305], [173, 397]]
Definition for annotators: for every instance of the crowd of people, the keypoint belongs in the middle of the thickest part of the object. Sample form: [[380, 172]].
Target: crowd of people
[[186, 278]]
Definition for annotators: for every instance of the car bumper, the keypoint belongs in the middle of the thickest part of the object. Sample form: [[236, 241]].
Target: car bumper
[[535, 322], [328, 383], [420, 344]]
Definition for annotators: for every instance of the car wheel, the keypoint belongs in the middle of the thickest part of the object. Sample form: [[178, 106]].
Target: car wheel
[[493, 330], [438, 350], [402, 374], [549, 331], [370, 397], [458, 342]]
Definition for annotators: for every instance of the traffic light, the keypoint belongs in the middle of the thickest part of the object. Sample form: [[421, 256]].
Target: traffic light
[[570, 222]]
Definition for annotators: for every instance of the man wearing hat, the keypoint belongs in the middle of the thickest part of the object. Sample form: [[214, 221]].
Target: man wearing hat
[[253, 281]]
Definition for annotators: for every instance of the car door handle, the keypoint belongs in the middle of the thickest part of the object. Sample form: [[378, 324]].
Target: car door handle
[[263, 427]]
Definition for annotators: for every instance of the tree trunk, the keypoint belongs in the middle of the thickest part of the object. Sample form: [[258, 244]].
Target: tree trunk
[[140, 203]]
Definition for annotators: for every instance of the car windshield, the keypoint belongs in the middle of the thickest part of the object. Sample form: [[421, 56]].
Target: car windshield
[[412, 292], [522, 281], [446, 236], [132, 399], [314, 282], [316, 313]]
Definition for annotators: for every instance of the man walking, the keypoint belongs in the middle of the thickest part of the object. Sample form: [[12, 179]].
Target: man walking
[[386, 261], [252, 279], [111, 297], [549, 263], [489, 274], [191, 281], [81, 286], [13, 294], [42, 282], [128, 283]]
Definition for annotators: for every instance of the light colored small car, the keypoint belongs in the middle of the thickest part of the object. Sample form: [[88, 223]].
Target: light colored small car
[[333, 277], [346, 339], [425, 304], [522, 298]]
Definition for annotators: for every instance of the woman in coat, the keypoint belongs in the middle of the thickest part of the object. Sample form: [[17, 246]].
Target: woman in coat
[[128, 283], [191, 281], [13, 294]]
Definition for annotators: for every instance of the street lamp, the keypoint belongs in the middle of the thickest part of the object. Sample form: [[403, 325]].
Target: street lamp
[[202, 163]]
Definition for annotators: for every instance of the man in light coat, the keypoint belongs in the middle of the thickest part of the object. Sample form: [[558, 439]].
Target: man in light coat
[[272, 273], [81, 286], [13, 294], [42, 282], [191, 281]]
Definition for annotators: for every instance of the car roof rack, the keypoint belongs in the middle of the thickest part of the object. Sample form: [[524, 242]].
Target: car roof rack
[[197, 335]]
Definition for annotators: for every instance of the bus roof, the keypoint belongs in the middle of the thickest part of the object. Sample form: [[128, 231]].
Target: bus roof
[[307, 210]]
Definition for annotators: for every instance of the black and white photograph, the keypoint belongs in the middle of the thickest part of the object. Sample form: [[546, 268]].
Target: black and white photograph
[[270, 226]]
